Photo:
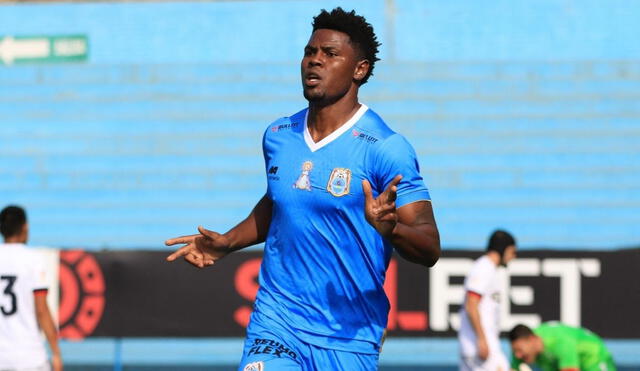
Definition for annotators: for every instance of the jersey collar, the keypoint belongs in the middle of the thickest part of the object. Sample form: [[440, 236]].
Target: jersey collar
[[313, 146]]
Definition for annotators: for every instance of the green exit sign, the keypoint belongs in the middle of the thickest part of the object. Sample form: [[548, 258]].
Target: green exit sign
[[43, 49]]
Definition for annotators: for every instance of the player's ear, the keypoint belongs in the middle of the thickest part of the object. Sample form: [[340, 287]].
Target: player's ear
[[25, 232], [361, 70]]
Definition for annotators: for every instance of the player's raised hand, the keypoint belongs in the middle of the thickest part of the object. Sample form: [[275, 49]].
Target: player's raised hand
[[381, 212], [201, 249]]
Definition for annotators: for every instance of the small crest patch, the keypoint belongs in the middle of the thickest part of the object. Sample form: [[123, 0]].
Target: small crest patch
[[339, 182], [304, 180], [254, 366]]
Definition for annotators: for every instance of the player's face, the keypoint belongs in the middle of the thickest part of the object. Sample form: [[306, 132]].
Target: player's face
[[524, 349], [328, 67], [509, 254]]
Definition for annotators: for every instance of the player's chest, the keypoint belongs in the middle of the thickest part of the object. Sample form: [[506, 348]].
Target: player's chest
[[331, 175]]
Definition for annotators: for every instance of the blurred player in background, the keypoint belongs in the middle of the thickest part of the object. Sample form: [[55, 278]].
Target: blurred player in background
[[556, 347], [23, 300], [479, 334], [343, 190]]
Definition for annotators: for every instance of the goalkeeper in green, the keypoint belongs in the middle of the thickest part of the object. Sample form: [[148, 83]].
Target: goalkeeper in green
[[553, 346]]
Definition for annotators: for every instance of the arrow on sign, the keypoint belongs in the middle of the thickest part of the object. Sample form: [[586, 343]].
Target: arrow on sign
[[12, 49]]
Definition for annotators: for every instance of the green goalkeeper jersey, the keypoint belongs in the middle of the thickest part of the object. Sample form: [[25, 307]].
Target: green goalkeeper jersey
[[567, 347]]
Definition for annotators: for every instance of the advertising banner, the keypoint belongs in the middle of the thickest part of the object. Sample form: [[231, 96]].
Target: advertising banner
[[138, 294]]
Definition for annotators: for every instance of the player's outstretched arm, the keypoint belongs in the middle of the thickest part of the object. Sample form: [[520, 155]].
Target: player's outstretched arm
[[411, 229], [208, 247], [45, 321]]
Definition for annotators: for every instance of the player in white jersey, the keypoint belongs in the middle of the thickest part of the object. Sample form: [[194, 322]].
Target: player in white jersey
[[23, 301], [479, 334]]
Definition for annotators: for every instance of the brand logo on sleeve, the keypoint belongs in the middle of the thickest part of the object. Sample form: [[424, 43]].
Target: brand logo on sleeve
[[277, 128]]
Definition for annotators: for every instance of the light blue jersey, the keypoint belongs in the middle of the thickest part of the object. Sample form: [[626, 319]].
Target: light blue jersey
[[324, 265]]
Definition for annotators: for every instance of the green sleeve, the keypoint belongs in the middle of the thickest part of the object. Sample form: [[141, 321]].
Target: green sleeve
[[515, 363], [567, 353]]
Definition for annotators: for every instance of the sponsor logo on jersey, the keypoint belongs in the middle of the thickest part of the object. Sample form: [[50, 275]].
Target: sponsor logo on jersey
[[254, 366], [304, 180], [339, 182], [268, 346], [277, 128], [362, 136]]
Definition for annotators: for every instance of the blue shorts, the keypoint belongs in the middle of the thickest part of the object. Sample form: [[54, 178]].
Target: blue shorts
[[270, 346]]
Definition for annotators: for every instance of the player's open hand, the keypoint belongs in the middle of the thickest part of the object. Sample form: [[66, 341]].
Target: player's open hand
[[381, 212], [483, 348], [56, 362], [202, 249]]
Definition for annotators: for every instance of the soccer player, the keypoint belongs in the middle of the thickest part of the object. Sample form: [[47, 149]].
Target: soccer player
[[23, 301], [343, 191], [479, 334], [553, 346]]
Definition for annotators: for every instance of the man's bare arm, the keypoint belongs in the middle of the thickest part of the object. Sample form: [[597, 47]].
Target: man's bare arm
[[471, 308], [254, 228], [416, 236], [411, 229], [207, 247], [45, 321]]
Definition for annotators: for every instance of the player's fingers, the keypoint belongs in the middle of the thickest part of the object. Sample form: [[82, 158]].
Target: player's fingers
[[392, 188], [388, 217], [180, 240], [392, 194], [180, 252], [191, 258], [385, 209], [366, 188], [396, 180], [207, 233]]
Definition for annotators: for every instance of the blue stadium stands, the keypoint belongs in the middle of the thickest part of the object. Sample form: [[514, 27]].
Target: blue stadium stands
[[524, 116], [124, 156]]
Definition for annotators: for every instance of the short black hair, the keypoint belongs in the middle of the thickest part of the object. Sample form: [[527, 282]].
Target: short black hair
[[359, 30], [520, 331], [499, 241], [12, 219]]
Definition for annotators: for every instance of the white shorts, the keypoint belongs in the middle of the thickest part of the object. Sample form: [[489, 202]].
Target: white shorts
[[45, 367], [496, 361]]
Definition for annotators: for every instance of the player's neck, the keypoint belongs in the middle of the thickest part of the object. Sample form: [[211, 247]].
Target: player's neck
[[18, 238], [494, 257], [15, 239], [323, 120], [539, 345]]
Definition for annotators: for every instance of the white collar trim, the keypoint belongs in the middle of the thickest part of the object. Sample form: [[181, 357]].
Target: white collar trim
[[313, 146]]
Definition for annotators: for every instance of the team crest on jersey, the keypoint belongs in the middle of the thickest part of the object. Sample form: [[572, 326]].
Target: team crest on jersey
[[254, 366], [339, 182], [304, 180]]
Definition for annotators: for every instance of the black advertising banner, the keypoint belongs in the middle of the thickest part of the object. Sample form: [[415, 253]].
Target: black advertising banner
[[137, 294]]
